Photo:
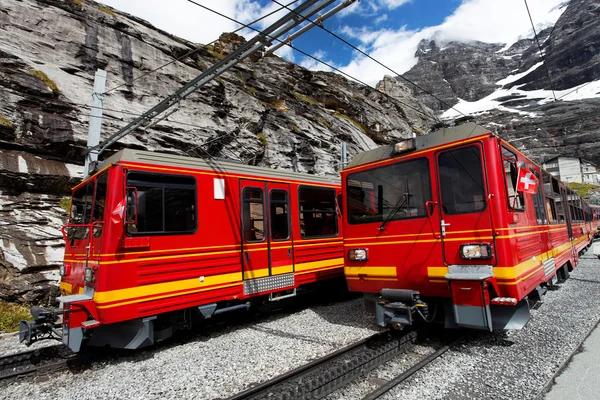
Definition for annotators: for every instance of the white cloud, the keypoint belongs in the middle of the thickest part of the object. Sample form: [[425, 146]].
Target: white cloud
[[314, 65], [381, 19], [484, 20]]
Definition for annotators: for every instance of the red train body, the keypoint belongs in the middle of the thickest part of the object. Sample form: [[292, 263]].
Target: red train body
[[437, 221], [155, 240]]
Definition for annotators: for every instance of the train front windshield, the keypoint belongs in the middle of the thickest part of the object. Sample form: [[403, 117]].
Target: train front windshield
[[389, 193]]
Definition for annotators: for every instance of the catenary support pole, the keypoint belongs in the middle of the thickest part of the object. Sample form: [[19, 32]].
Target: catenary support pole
[[95, 121]]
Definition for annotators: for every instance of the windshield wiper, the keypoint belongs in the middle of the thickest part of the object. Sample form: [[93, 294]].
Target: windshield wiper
[[401, 201]]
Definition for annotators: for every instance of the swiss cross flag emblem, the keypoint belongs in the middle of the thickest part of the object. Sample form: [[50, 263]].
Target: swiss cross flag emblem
[[526, 182]]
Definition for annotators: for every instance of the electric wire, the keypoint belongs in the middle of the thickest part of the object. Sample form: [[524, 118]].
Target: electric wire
[[198, 48], [540, 49], [317, 59], [371, 58]]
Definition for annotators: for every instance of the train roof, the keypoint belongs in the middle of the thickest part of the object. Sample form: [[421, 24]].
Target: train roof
[[221, 167], [433, 139]]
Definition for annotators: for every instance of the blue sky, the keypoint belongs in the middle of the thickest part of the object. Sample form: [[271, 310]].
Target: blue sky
[[389, 30]]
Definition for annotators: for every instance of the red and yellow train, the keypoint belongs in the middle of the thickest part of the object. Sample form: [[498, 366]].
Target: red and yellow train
[[157, 240], [462, 221]]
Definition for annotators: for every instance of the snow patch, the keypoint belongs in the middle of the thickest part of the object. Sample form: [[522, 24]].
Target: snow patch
[[76, 171], [23, 165], [55, 255], [585, 91], [12, 254], [516, 77]]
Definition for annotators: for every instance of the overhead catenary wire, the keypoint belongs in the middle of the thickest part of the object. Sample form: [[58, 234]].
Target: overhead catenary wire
[[434, 117], [540, 49], [372, 58], [198, 48]]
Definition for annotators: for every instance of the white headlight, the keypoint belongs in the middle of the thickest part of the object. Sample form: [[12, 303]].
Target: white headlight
[[471, 251], [358, 255], [89, 275]]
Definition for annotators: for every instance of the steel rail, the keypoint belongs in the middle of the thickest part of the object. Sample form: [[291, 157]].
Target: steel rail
[[411, 371], [40, 361], [342, 369]]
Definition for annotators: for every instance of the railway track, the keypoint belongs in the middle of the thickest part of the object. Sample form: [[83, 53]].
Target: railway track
[[41, 361], [334, 371], [327, 374]]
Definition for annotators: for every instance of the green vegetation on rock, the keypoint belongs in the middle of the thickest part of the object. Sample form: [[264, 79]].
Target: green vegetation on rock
[[78, 3], [356, 123], [106, 10], [304, 98], [65, 204], [11, 314], [262, 138], [44, 78], [583, 189], [5, 121]]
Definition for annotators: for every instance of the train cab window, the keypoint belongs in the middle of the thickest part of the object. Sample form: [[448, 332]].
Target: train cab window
[[100, 197], [279, 215], [166, 204], [549, 198], [461, 180], [393, 192], [317, 212], [253, 215], [81, 211], [516, 200]]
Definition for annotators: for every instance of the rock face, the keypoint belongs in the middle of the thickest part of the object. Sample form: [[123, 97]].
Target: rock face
[[473, 71], [269, 113]]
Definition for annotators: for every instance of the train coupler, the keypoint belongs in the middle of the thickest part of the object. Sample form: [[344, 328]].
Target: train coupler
[[44, 326], [395, 307]]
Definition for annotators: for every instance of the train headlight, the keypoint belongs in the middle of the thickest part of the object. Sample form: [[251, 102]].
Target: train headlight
[[65, 269], [358, 254], [476, 251], [404, 146], [89, 275]]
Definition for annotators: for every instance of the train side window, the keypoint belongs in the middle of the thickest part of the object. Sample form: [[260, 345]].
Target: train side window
[[461, 180], [100, 197], [549, 197], [558, 200], [253, 215], [317, 212], [538, 203], [166, 203], [516, 200], [279, 215]]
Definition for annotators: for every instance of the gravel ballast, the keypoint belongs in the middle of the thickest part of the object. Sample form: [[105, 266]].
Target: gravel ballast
[[217, 364], [504, 364]]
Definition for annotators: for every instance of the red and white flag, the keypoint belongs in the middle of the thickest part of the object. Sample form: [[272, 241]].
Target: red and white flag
[[526, 182]]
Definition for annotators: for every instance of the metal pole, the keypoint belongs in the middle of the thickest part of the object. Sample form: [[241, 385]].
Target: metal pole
[[91, 157], [344, 155]]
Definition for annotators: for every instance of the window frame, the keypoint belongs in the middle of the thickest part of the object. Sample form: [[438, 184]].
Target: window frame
[[521, 196], [288, 219], [479, 148], [163, 232], [334, 212], [262, 202]]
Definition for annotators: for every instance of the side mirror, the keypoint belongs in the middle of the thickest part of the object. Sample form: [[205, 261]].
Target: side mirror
[[131, 210]]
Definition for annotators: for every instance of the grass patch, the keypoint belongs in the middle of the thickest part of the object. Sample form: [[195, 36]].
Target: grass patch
[[305, 98], [201, 65], [263, 139], [278, 104], [356, 123], [5, 121], [44, 78], [325, 123], [78, 3], [65, 204], [11, 314], [211, 49], [106, 10], [583, 189]]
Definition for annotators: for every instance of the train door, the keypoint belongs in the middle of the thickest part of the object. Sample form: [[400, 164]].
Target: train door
[[267, 247], [464, 211]]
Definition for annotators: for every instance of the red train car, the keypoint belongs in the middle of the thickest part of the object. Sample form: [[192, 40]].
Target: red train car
[[595, 224], [155, 240], [442, 221]]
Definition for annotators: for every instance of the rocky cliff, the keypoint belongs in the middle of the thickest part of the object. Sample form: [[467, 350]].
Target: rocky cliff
[[513, 84], [269, 113]]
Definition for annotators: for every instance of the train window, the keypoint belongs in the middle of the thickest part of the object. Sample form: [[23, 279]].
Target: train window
[[461, 180], [558, 200], [166, 203], [279, 215], [100, 197], [516, 200], [317, 212], [253, 215], [81, 211], [394, 192], [549, 196], [538, 203]]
